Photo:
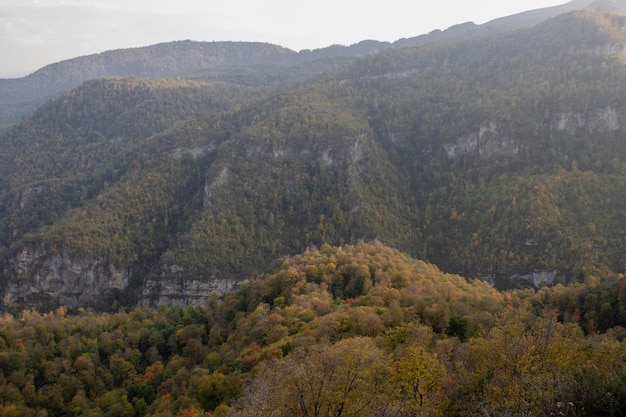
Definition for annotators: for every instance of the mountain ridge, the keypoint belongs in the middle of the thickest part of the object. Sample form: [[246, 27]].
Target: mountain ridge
[[19, 96], [166, 60]]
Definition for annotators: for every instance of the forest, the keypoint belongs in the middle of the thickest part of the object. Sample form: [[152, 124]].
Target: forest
[[354, 330], [495, 157], [421, 231]]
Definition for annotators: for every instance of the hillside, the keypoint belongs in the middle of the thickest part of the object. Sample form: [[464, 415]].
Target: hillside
[[498, 157], [361, 328], [19, 97]]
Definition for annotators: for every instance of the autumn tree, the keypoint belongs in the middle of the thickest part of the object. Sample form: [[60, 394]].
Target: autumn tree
[[347, 379], [525, 365], [418, 378]]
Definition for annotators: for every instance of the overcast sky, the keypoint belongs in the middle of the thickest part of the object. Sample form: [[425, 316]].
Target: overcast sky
[[34, 33]]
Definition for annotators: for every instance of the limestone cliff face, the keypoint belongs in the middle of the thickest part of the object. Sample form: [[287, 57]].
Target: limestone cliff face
[[492, 138], [180, 291], [38, 277], [535, 278], [607, 119], [214, 183]]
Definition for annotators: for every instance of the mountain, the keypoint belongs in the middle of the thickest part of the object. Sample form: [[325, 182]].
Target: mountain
[[20, 96], [361, 329], [499, 157], [517, 21]]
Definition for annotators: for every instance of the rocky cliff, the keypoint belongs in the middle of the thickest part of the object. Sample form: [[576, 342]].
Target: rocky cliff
[[39, 277], [495, 138]]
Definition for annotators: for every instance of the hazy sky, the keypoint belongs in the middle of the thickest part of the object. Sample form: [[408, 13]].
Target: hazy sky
[[34, 33]]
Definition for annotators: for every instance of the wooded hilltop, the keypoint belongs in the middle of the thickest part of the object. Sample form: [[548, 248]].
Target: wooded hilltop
[[357, 330]]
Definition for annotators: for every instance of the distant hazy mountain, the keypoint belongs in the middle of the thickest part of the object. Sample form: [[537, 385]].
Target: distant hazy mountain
[[158, 61], [516, 21], [19, 97]]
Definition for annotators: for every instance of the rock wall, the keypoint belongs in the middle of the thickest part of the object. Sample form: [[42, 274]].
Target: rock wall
[[492, 139], [489, 140], [38, 277], [512, 278], [598, 121], [179, 291]]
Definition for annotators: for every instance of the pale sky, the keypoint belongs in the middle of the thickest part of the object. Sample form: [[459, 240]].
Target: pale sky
[[34, 33]]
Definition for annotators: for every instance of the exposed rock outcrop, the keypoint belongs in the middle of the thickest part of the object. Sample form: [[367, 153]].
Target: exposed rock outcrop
[[220, 180], [181, 291], [489, 140], [599, 121], [507, 278], [492, 139], [38, 277]]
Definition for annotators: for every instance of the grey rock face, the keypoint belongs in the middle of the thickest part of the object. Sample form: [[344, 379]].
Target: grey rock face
[[166, 291], [488, 140], [60, 279]]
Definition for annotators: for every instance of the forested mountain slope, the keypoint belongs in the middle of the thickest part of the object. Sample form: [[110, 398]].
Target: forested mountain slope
[[500, 157], [20, 96], [361, 328]]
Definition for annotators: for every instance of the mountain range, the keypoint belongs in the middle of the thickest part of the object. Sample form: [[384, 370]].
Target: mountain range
[[19, 96], [161, 174]]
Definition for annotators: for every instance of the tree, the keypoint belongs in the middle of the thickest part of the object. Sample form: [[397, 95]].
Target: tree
[[348, 379], [524, 366], [418, 378]]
